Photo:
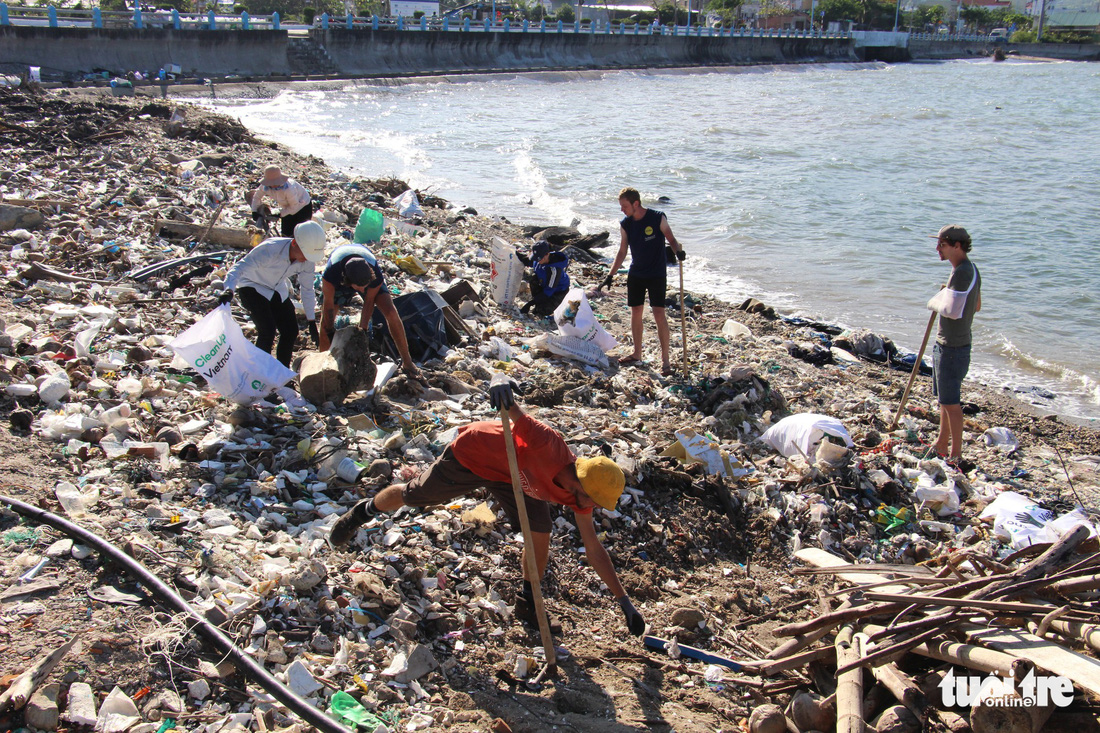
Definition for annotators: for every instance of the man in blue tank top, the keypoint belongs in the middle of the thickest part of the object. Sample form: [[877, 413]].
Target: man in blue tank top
[[353, 268], [644, 231]]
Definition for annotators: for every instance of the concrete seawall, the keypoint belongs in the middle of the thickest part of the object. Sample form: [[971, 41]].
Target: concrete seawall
[[365, 52], [945, 50], [201, 53], [258, 54], [394, 52]]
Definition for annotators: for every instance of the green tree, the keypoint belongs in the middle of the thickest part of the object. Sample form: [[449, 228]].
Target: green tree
[[666, 11], [727, 10], [566, 14], [830, 10], [769, 8], [925, 17], [976, 17], [1021, 21]]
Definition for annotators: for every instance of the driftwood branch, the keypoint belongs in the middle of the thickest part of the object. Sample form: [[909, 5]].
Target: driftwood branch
[[20, 691]]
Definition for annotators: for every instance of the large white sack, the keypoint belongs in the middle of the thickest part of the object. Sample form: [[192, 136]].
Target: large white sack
[[575, 318], [803, 432], [233, 366], [506, 274]]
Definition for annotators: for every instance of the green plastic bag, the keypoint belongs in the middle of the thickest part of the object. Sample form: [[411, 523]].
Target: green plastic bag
[[370, 227], [347, 708]]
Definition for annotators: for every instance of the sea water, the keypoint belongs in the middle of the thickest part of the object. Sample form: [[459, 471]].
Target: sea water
[[813, 188]]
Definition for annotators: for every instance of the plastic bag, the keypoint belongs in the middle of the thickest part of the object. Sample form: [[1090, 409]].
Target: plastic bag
[[799, 434], [506, 273], [575, 318], [370, 227], [1019, 520], [691, 447], [408, 205], [1001, 439], [571, 347], [943, 499], [217, 349], [411, 264]]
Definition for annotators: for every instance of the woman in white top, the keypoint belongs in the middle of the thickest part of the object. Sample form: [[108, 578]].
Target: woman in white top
[[293, 200]]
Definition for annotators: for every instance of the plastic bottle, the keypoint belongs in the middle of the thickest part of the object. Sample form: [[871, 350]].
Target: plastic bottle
[[72, 501]]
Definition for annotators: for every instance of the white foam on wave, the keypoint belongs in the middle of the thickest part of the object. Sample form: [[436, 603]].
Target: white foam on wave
[[532, 181]]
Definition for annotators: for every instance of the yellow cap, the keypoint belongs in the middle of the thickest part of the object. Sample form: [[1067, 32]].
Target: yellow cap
[[602, 479]]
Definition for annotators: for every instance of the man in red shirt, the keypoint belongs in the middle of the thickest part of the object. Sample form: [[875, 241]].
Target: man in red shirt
[[548, 473]]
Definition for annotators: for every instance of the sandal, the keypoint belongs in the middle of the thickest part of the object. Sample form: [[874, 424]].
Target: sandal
[[931, 454], [667, 372], [629, 360]]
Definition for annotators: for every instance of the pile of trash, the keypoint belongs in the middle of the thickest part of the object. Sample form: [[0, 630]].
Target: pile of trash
[[111, 245]]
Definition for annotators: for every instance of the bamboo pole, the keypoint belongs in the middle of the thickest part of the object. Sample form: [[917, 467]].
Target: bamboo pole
[[849, 688], [916, 369], [683, 322], [529, 546], [902, 687]]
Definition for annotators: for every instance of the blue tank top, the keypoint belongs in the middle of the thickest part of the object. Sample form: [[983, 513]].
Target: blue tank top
[[647, 244]]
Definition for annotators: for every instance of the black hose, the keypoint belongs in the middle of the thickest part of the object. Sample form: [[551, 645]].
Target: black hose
[[211, 633]]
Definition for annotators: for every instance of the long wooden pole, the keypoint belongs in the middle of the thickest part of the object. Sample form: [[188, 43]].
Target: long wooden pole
[[849, 685], [528, 546], [916, 368], [683, 321]]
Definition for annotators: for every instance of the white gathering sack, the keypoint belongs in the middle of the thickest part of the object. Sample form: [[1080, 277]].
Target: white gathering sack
[[575, 318], [569, 347], [506, 274], [799, 434], [234, 367]]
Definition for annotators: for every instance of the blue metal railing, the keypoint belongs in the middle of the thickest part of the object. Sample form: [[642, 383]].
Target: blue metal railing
[[139, 19], [95, 18]]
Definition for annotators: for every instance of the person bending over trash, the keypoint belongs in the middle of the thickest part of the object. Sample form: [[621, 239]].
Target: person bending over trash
[[549, 282], [262, 281], [295, 204], [549, 473], [351, 269]]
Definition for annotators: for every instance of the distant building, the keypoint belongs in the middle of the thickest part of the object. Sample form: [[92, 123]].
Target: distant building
[[409, 8], [1073, 20]]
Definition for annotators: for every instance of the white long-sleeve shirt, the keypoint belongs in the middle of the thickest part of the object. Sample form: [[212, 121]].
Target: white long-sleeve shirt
[[290, 197], [268, 269]]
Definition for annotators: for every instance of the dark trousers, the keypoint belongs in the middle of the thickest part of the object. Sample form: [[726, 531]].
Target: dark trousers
[[270, 316], [541, 303], [288, 222]]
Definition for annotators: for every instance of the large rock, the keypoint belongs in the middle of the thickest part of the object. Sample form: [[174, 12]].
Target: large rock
[[688, 618], [319, 378], [19, 217], [351, 349], [80, 711], [330, 376], [41, 711]]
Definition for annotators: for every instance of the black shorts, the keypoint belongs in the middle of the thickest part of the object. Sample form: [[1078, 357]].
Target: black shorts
[[637, 287], [448, 479]]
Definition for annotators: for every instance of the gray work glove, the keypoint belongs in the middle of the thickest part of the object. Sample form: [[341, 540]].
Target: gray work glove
[[606, 283], [226, 297], [634, 620], [501, 387]]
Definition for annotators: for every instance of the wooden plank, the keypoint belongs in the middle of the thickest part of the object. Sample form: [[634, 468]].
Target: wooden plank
[[822, 559], [1046, 655], [221, 236]]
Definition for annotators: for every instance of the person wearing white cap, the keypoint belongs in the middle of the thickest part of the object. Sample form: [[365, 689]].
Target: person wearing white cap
[[262, 280], [293, 200]]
